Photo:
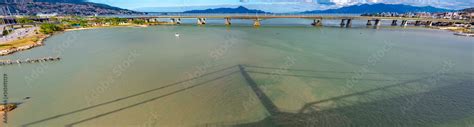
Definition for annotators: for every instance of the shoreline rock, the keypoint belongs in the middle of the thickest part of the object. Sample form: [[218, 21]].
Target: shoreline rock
[[22, 48]]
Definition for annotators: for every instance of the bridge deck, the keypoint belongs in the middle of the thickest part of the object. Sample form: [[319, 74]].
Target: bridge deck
[[296, 16]]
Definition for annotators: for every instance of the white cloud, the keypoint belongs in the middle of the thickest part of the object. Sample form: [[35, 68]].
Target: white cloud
[[450, 4]]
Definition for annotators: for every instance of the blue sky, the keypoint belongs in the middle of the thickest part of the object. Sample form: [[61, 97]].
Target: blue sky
[[274, 5], [164, 3]]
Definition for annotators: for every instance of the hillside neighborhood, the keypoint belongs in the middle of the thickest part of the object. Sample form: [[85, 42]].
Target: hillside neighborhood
[[30, 7]]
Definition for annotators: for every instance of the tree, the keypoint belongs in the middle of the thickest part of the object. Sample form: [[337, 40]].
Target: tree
[[53, 19], [75, 22], [139, 21], [48, 28], [115, 20], [82, 23], [6, 32], [25, 20]]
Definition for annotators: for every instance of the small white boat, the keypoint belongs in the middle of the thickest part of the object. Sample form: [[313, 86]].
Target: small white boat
[[176, 34]]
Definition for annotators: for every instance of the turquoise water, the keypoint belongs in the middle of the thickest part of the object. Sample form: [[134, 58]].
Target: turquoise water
[[313, 76]]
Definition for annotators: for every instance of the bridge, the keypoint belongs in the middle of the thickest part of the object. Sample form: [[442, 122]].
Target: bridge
[[346, 21]]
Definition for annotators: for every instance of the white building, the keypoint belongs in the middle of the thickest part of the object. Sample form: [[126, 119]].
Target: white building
[[46, 15]]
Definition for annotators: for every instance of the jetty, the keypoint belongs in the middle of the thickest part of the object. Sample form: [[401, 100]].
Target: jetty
[[36, 60]]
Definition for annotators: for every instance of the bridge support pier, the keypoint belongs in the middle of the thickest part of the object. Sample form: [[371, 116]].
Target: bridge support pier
[[343, 22], [349, 23], [404, 23], [257, 22], [429, 23], [178, 21], [369, 23], [394, 22], [377, 22], [317, 22], [227, 21], [173, 20], [450, 23], [201, 21], [417, 23]]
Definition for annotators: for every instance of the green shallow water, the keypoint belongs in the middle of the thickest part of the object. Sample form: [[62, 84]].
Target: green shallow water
[[314, 76]]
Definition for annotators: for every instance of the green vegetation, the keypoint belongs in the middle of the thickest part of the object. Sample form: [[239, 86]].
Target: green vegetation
[[25, 20], [6, 32], [74, 23], [85, 22], [49, 28], [96, 21], [114, 21], [139, 21], [53, 19]]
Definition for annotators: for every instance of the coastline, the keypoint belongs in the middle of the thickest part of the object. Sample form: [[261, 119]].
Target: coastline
[[98, 27], [42, 37], [29, 43]]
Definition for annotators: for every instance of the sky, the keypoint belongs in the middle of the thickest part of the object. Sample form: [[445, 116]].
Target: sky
[[164, 3], [271, 5]]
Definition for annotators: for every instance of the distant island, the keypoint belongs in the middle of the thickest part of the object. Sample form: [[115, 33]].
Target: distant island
[[380, 8], [61, 1], [469, 10], [354, 9], [239, 9], [60, 7]]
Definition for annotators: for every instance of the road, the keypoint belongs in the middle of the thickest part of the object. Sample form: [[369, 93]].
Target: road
[[18, 33]]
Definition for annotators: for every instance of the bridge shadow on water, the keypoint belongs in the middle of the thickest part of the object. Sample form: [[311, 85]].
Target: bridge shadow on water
[[139, 94], [449, 102], [444, 104], [439, 106]]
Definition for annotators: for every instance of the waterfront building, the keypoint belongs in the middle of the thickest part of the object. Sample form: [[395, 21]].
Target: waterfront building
[[46, 15]]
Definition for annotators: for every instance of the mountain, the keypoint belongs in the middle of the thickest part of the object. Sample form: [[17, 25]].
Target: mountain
[[471, 10], [239, 9], [61, 1], [379, 8], [451, 4], [180, 8], [273, 8], [51, 1], [61, 7]]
